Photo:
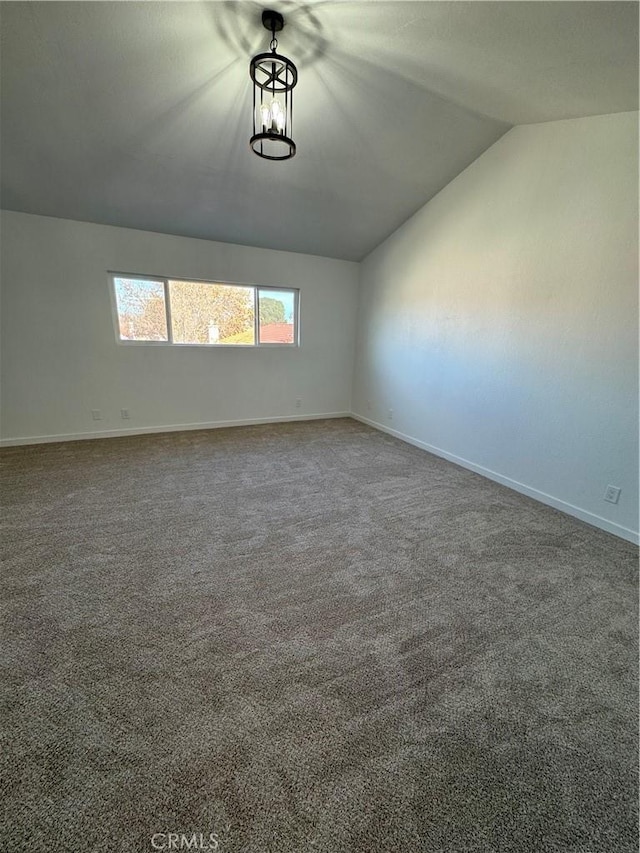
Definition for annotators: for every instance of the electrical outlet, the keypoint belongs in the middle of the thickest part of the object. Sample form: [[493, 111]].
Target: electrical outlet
[[390, 414], [124, 414], [298, 402], [96, 414], [611, 494]]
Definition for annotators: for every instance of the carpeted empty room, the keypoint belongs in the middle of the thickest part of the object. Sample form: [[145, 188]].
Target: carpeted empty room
[[319, 496], [309, 636]]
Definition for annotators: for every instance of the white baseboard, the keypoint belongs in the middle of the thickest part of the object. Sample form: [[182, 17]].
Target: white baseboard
[[115, 433], [536, 494]]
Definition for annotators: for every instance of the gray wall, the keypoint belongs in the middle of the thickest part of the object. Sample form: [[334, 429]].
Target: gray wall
[[60, 357], [500, 323]]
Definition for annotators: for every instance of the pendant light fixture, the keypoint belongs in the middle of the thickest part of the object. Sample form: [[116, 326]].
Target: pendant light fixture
[[274, 77]]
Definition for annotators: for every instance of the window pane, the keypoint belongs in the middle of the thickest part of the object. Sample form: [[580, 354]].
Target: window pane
[[141, 310], [277, 309], [211, 313]]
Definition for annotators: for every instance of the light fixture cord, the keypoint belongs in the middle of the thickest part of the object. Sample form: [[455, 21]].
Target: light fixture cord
[[273, 45]]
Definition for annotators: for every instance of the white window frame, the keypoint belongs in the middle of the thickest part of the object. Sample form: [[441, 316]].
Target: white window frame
[[164, 281]]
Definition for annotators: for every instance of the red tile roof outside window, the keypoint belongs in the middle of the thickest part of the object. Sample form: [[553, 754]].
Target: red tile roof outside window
[[276, 333]]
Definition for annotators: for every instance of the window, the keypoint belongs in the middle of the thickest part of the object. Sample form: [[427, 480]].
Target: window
[[141, 310], [203, 313]]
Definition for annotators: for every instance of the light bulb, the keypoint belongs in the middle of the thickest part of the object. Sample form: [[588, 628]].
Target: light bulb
[[280, 120], [265, 116], [275, 108]]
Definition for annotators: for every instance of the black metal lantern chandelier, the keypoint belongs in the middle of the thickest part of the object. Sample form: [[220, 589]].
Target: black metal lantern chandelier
[[274, 77]]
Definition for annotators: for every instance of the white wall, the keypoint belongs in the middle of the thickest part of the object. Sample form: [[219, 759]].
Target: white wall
[[500, 323], [60, 358]]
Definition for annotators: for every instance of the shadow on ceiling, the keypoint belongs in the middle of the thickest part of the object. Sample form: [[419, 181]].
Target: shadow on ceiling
[[239, 25]]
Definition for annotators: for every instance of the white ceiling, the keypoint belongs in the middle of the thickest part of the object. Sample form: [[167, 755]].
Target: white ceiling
[[139, 113]]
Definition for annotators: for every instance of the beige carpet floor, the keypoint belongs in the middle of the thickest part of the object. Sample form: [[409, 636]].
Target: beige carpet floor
[[307, 637]]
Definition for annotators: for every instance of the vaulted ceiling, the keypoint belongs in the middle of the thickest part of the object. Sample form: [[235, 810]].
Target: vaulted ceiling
[[139, 114]]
